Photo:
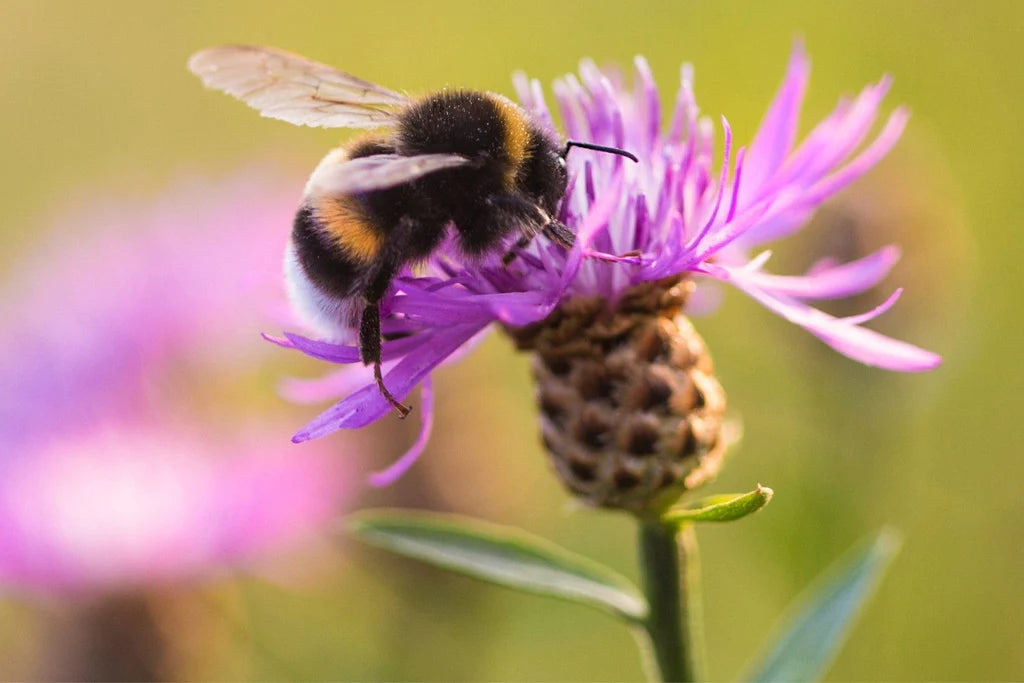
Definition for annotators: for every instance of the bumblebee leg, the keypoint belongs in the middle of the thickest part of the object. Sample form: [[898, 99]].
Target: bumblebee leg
[[513, 253], [555, 231], [559, 232], [370, 350], [403, 410]]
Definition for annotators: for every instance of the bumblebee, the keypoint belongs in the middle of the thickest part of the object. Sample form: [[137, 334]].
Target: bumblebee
[[469, 159]]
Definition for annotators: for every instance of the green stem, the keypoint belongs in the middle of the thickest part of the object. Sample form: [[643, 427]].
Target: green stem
[[694, 606], [669, 575]]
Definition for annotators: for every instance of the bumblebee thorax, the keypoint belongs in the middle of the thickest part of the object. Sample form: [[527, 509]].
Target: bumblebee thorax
[[488, 128]]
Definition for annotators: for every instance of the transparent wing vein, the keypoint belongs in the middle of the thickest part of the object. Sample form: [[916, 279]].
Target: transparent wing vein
[[291, 88]]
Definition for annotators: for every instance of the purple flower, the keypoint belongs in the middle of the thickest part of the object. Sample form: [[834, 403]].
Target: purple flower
[[118, 468], [671, 214], [128, 504]]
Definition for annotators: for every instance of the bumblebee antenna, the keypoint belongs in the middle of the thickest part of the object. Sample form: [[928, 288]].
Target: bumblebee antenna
[[598, 148]]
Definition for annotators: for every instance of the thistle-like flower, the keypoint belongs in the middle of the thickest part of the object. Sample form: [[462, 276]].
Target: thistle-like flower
[[111, 479], [631, 411]]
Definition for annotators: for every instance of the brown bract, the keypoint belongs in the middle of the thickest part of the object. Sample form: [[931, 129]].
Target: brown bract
[[631, 413]]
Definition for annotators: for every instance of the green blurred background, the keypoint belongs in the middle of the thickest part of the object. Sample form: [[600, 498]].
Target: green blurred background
[[97, 101]]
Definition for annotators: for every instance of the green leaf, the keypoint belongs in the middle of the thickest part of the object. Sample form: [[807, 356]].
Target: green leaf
[[723, 508], [502, 555], [821, 619]]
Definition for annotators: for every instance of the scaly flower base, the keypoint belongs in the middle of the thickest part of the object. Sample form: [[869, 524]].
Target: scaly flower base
[[631, 413]]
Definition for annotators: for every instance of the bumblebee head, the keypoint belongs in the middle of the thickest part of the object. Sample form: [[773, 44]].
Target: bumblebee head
[[542, 175], [545, 174]]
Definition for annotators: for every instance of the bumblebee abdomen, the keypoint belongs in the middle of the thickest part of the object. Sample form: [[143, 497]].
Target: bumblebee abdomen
[[346, 222], [335, 253]]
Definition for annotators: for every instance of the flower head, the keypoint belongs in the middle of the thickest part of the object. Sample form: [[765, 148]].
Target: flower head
[[671, 217], [112, 476]]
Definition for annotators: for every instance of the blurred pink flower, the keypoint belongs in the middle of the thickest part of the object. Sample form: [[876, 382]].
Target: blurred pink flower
[[121, 290], [134, 504], [110, 476]]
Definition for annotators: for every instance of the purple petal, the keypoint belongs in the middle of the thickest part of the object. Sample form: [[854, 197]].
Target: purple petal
[[595, 219], [613, 258], [429, 310], [864, 161], [521, 84], [352, 377], [368, 405], [777, 131], [541, 110], [648, 104], [861, 344], [734, 201], [401, 466], [522, 310], [801, 185], [846, 131], [830, 141], [722, 182], [706, 299], [830, 283], [322, 350], [463, 307], [684, 117], [727, 233], [329, 387], [874, 312], [341, 353], [777, 224]]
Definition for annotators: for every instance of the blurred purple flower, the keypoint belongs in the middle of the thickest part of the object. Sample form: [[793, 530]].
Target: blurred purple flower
[[110, 476], [133, 504], [670, 214]]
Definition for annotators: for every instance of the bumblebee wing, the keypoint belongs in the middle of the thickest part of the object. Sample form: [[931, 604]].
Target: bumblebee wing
[[284, 86], [377, 172]]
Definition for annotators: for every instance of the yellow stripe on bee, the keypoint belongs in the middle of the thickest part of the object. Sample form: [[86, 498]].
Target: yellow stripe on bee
[[345, 223], [517, 135]]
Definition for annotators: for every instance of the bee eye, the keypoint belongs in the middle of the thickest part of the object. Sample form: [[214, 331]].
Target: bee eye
[[561, 161]]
